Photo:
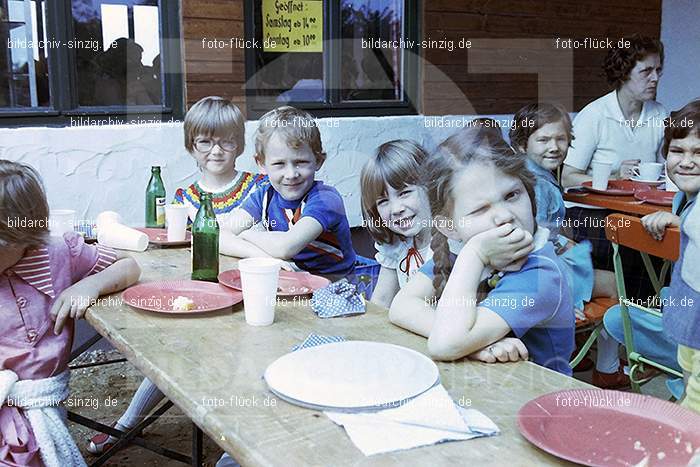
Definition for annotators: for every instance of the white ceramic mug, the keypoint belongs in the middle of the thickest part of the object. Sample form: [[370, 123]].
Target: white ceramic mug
[[601, 175], [648, 171]]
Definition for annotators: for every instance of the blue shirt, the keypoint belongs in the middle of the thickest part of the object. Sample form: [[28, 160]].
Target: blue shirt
[[331, 253], [536, 303], [681, 311], [548, 198]]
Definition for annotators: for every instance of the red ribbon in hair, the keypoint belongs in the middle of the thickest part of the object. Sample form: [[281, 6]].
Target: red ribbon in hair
[[413, 253]]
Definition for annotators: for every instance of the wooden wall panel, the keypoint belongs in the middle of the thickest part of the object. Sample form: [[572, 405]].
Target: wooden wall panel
[[209, 70], [505, 77]]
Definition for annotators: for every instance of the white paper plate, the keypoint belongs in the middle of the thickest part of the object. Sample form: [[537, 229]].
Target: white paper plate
[[351, 375]]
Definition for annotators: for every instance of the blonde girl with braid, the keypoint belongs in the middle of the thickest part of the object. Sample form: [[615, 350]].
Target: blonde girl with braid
[[503, 296]]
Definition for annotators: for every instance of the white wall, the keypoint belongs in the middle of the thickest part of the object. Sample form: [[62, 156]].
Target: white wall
[[680, 33], [92, 169]]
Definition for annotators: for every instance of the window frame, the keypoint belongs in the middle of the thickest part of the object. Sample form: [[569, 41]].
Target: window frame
[[334, 107], [62, 69]]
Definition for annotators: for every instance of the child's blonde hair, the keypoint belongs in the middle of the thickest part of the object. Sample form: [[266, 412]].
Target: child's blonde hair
[[24, 211], [295, 125], [453, 155], [397, 163], [215, 116], [532, 117]]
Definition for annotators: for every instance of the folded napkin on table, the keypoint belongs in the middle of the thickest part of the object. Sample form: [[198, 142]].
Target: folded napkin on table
[[313, 340], [337, 299], [430, 418]]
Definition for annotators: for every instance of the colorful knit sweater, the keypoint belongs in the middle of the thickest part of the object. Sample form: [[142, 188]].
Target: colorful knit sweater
[[223, 201]]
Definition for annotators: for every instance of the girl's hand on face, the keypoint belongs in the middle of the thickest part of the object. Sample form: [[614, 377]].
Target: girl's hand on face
[[657, 222], [508, 349], [502, 246], [72, 303]]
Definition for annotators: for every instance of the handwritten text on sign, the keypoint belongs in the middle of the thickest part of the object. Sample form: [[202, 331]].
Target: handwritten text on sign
[[292, 25]]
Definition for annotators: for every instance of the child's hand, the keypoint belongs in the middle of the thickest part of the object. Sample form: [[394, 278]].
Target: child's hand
[[502, 246], [657, 222], [508, 349], [72, 303]]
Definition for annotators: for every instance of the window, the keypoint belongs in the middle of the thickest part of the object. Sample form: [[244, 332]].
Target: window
[[332, 57], [109, 60]]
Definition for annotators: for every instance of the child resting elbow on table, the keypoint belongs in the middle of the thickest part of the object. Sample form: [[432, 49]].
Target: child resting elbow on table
[[215, 138], [45, 283], [396, 211], [543, 133], [302, 220], [528, 295], [214, 131]]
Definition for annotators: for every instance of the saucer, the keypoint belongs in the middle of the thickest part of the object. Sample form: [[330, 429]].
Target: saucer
[[648, 182]]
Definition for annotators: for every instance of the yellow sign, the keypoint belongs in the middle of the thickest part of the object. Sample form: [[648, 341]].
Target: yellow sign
[[292, 25]]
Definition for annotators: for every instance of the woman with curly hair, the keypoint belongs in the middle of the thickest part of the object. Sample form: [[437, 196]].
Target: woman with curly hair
[[624, 127]]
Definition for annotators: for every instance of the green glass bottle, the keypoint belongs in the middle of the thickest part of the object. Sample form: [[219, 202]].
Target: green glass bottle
[[155, 200], [205, 242]]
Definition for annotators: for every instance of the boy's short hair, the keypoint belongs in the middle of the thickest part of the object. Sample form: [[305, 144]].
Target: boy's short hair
[[297, 127], [24, 211], [682, 123], [532, 117], [214, 116]]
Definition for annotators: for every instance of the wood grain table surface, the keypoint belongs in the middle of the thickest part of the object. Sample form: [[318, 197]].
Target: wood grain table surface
[[211, 366]]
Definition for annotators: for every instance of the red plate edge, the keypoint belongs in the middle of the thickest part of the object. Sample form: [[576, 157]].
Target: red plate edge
[[236, 276], [634, 187], [659, 202], [153, 239], [641, 401], [236, 297]]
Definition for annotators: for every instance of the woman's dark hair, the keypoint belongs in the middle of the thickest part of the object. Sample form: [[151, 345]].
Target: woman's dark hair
[[621, 60]]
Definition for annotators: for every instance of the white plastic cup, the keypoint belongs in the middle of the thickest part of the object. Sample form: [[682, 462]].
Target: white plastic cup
[[122, 237], [601, 175], [648, 171], [259, 278], [61, 221], [108, 217], [176, 222]]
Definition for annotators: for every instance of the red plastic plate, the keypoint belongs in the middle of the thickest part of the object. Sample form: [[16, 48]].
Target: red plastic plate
[[159, 296], [662, 198], [618, 187], [160, 237], [602, 428], [290, 283]]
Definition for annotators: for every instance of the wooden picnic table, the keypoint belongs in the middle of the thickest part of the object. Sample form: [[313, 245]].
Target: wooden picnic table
[[211, 366], [622, 204]]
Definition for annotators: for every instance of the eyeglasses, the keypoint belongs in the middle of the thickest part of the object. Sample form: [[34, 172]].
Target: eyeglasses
[[206, 145]]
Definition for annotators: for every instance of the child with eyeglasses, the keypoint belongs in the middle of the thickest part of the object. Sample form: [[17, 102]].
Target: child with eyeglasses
[[214, 137]]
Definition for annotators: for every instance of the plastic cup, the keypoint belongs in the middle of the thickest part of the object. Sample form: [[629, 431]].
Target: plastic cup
[[108, 217], [176, 222], [259, 277], [61, 221], [122, 237], [649, 171], [601, 175]]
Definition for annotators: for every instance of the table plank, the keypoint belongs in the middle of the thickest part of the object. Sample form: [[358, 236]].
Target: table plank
[[211, 367], [623, 204]]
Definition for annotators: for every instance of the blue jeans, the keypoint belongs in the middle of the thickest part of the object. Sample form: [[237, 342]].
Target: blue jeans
[[647, 333]]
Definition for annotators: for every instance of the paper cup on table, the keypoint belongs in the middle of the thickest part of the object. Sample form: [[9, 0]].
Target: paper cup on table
[[61, 221], [122, 237], [108, 217], [176, 222], [601, 175], [259, 277]]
